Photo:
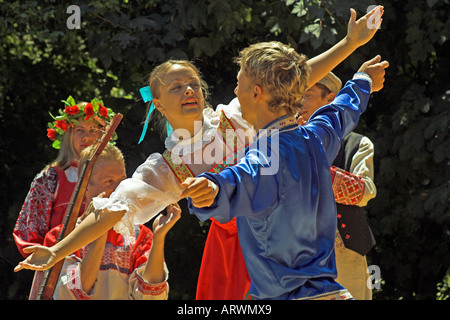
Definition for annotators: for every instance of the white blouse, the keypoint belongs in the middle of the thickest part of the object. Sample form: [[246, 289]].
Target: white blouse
[[153, 186]]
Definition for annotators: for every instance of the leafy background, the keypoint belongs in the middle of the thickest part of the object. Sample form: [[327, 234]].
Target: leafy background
[[43, 62]]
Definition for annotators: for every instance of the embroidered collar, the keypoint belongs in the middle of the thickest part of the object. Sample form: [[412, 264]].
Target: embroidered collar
[[201, 138], [282, 124]]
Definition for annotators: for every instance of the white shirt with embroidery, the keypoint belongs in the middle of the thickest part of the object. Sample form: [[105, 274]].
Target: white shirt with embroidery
[[153, 186]]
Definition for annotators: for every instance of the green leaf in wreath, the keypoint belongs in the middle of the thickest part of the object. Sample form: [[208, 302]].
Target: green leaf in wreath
[[56, 144]]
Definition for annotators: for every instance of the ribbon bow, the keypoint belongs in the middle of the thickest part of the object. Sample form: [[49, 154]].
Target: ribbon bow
[[146, 95]]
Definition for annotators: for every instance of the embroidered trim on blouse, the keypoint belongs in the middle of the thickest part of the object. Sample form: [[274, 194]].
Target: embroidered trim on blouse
[[228, 132]]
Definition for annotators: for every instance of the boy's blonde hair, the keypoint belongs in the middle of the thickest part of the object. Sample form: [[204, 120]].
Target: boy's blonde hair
[[278, 68], [110, 153]]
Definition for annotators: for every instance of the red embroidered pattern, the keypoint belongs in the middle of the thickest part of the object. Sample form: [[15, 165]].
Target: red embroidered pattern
[[119, 253], [151, 289], [348, 188], [124, 254], [181, 171], [230, 139], [34, 217], [226, 129]]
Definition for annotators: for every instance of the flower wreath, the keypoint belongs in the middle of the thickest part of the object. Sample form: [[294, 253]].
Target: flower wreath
[[70, 115]]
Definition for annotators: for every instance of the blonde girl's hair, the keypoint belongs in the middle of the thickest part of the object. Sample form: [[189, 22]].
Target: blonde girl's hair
[[279, 69], [155, 81], [110, 153], [66, 155]]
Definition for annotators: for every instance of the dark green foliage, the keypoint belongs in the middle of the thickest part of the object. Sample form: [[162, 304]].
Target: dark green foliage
[[43, 62]]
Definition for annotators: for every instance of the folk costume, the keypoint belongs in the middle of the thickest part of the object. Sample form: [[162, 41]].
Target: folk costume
[[219, 142], [51, 190], [119, 277], [352, 174], [286, 214], [44, 206]]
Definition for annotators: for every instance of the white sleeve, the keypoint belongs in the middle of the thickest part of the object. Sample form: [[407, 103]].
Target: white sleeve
[[362, 165], [152, 187]]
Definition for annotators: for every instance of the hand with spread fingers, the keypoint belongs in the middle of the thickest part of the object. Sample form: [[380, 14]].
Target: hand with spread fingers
[[360, 31], [41, 258], [164, 222]]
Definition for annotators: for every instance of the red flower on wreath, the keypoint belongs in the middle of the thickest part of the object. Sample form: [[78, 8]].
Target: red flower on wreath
[[51, 134], [71, 110], [103, 111], [88, 110], [62, 124]]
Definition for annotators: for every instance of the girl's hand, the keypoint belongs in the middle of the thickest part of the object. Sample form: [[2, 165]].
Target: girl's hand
[[164, 222], [41, 258]]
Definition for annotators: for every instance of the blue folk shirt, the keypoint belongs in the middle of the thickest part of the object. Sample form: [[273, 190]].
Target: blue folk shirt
[[286, 213]]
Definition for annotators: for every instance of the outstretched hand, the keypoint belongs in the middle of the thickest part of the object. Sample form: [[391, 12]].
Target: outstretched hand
[[360, 31], [375, 68], [41, 258], [201, 190]]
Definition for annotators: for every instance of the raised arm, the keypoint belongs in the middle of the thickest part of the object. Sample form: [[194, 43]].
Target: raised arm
[[90, 265], [336, 120], [154, 271], [359, 32]]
